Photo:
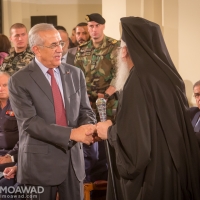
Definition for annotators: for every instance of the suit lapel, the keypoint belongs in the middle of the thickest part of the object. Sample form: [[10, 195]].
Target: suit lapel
[[39, 78]]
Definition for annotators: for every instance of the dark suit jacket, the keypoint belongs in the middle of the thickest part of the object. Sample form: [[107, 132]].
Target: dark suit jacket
[[43, 146], [70, 58], [195, 114], [193, 111]]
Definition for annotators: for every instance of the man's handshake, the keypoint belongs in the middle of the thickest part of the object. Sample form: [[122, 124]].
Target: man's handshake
[[90, 133]]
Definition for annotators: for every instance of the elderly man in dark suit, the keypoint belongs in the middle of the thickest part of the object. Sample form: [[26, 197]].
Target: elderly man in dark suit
[[54, 118]]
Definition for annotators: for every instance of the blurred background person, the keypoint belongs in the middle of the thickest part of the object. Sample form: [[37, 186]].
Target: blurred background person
[[4, 47], [73, 42], [9, 134], [82, 36], [67, 57], [20, 54], [195, 111]]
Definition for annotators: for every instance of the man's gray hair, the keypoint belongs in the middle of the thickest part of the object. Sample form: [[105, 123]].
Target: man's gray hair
[[4, 74], [34, 36], [196, 84]]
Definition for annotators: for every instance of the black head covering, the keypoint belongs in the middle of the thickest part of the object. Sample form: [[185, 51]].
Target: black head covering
[[164, 94], [144, 38], [96, 17]]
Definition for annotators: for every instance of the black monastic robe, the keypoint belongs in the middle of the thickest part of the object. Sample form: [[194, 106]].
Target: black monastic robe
[[155, 154]]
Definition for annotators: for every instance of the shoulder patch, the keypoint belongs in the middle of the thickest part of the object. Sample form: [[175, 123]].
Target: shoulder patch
[[114, 41], [83, 44]]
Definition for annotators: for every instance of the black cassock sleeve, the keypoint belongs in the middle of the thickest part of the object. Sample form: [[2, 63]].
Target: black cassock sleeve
[[130, 136]]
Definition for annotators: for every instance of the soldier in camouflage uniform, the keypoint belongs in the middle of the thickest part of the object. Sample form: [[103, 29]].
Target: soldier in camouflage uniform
[[97, 59], [20, 55]]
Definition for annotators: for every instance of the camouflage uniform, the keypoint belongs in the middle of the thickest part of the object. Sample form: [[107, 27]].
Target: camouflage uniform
[[99, 67], [13, 62]]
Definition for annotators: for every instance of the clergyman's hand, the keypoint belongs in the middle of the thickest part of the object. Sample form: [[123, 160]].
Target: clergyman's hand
[[102, 128], [83, 134]]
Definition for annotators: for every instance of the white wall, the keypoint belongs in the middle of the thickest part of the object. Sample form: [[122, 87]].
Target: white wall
[[69, 12]]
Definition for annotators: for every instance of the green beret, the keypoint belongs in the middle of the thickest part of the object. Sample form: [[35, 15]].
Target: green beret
[[96, 17]]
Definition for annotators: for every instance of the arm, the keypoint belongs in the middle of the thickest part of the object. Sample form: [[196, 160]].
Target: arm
[[111, 89], [86, 114], [130, 136], [30, 123], [11, 156]]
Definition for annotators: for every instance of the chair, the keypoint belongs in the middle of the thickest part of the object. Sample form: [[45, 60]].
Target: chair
[[97, 185]]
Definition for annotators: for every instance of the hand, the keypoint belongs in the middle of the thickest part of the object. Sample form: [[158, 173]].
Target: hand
[[102, 128], [10, 172], [100, 95], [83, 134], [5, 159], [96, 137]]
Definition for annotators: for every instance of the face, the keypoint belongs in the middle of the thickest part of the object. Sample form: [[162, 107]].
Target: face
[[65, 39], [96, 30], [4, 87], [197, 95], [19, 38], [73, 36], [49, 57], [82, 34], [122, 68]]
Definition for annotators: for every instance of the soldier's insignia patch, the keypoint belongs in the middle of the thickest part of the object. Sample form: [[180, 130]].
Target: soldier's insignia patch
[[114, 41]]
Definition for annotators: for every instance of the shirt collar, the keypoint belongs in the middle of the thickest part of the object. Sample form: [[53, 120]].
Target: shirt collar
[[43, 68]]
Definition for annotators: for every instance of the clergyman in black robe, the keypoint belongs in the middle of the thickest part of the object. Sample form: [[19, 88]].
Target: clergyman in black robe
[[154, 151]]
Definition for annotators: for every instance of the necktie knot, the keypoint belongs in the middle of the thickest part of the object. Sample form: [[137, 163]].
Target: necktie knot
[[50, 72]]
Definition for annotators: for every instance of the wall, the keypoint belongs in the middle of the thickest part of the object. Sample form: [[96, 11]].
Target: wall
[[189, 43], [69, 12]]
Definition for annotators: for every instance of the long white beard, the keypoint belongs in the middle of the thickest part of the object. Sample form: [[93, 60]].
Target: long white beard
[[122, 73]]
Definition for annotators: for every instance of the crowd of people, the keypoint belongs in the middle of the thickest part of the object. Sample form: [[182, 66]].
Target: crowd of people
[[50, 130]]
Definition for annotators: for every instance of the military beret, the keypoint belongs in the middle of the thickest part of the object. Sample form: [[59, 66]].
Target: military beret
[[95, 17]]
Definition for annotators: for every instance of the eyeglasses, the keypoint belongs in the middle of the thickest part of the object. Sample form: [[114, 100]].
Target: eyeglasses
[[54, 45], [196, 95]]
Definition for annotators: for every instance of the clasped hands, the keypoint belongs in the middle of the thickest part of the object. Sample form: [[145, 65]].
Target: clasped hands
[[90, 133]]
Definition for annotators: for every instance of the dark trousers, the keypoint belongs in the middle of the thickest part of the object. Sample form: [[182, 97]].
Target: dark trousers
[[70, 188], [3, 166], [7, 183]]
